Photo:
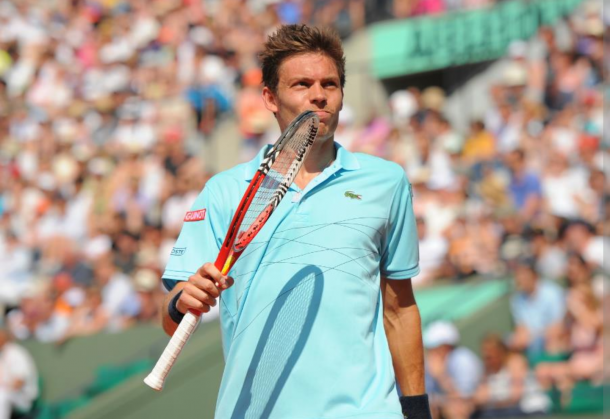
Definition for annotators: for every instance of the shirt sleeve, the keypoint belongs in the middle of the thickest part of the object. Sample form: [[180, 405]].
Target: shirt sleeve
[[400, 254], [199, 241]]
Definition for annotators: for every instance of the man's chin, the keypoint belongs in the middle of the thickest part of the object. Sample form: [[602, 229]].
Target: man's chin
[[323, 137], [324, 133]]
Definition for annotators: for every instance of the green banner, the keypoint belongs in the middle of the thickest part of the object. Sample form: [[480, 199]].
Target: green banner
[[427, 43]]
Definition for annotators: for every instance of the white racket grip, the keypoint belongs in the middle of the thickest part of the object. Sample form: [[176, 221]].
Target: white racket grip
[[187, 326]]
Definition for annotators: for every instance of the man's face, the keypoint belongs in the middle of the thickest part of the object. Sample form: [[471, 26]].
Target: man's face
[[493, 356], [514, 162], [307, 82], [525, 279]]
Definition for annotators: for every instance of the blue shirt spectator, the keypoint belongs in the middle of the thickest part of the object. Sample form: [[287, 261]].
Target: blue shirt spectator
[[536, 306], [525, 187], [521, 188], [540, 309]]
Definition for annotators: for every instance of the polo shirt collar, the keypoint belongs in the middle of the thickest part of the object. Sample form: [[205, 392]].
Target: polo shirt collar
[[345, 160]]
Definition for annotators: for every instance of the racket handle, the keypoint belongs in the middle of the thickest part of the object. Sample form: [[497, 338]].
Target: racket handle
[[187, 326]]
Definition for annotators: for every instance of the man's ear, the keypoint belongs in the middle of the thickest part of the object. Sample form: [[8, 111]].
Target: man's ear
[[270, 100]]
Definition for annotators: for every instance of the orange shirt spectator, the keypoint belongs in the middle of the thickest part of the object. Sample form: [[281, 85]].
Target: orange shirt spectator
[[480, 145]]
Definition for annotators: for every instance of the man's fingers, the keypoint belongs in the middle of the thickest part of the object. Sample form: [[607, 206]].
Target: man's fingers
[[189, 303], [210, 271], [205, 284], [208, 294], [211, 280], [193, 298], [229, 282]]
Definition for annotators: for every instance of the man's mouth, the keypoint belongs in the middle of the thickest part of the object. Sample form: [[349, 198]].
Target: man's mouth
[[322, 114]]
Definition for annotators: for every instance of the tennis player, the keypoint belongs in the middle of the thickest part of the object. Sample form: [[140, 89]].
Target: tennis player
[[318, 315]]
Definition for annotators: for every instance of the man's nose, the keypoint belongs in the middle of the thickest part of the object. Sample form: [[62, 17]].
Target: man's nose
[[317, 93]]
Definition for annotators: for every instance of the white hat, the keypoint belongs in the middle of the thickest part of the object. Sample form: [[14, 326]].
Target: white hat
[[441, 333], [403, 104], [515, 74]]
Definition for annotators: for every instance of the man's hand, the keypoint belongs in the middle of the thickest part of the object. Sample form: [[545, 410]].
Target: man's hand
[[199, 294], [520, 339]]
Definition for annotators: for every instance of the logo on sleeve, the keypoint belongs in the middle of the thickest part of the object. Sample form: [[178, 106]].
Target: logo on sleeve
[[195, 215], [178, 251]]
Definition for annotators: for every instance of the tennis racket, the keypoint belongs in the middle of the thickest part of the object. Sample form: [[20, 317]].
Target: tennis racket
[[267, 188]]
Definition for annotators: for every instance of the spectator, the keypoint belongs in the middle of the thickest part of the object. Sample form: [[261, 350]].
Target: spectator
[[579, 336], [513, 243], [549, 255], [37, 316], [562, 187], [18, 377], [432, 254], [480, 144], [89, 317], [508, 389], [506, 126], [453, 372], [117, 295], [591, 204], [525, 188], [537, 305], [148, 287], [15, 264], [581, 238], [430, 162]]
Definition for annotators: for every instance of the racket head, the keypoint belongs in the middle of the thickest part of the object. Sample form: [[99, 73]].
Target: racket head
[[280, 166]]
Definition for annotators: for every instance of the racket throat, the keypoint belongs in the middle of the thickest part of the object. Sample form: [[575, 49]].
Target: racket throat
[[247, 236], [228, 263]]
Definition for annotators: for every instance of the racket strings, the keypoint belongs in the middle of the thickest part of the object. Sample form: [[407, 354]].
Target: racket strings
[[280, 176]]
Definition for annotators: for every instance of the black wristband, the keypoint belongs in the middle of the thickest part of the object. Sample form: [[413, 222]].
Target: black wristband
[[174, 314], [415, 407]]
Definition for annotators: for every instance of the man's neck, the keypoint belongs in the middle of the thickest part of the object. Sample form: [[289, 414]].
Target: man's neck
[[530, 293], [320, 156]]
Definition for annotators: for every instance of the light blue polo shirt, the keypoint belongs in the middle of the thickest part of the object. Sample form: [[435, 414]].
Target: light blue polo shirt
[[302, 327]]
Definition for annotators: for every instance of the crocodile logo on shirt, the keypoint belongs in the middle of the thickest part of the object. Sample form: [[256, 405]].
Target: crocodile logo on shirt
[[352, 195]]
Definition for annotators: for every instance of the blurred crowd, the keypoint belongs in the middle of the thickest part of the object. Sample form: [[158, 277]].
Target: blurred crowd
[[105, 110], [521, 194], [106, 106]]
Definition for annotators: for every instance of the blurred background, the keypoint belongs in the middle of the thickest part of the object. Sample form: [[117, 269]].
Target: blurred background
[[113, 114]]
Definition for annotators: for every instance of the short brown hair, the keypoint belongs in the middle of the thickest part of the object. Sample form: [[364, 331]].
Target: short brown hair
[[291, 40]]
